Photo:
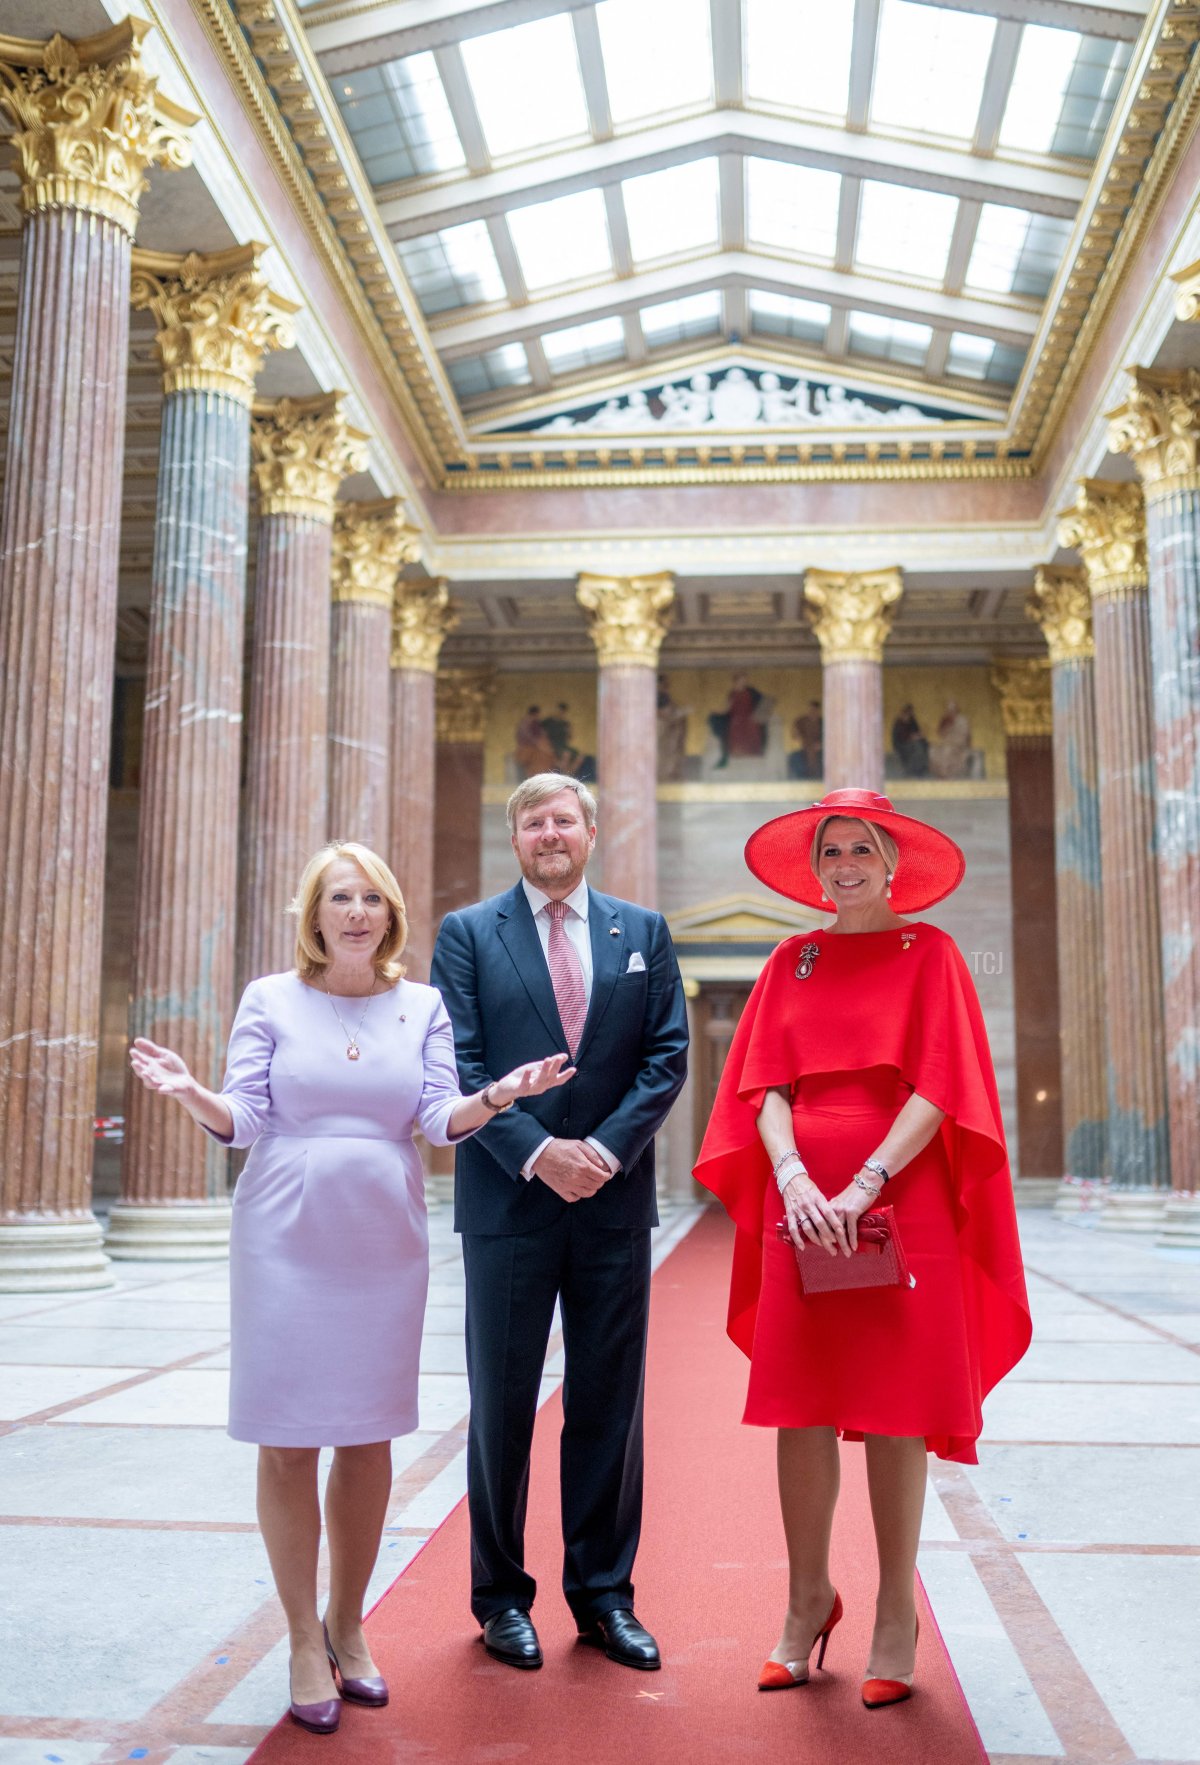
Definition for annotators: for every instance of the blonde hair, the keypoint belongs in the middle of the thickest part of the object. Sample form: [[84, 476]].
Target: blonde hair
[[311, 956], [879, 837], [540, 788]]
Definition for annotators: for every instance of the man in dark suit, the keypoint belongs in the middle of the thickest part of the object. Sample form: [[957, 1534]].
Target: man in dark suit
[[555, 1200]]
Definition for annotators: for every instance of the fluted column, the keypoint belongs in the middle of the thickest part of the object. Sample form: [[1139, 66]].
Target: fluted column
[[216, 319], [463, 696], [1062, 606], [1159, 426], [421, 618], [1107, 525], [852, 613], [1025, 709], [629, 617], [302, 450], [88, 121], [371, 541]]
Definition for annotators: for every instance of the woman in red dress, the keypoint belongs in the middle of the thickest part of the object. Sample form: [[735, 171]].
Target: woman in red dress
[[860, 1075]]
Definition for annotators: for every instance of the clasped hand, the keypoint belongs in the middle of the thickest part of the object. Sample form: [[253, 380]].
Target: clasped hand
[[831, 1223]]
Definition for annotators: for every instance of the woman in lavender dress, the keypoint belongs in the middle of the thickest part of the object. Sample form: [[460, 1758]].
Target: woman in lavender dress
[[330, 1069]]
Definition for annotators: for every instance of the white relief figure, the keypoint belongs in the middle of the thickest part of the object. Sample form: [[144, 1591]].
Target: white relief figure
[[780, 406], [609, 416], [835, 407], [695, 405], [736, 401], [637, 411], [675, 413]]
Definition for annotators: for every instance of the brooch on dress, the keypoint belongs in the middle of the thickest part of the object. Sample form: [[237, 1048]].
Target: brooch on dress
[[907, 940], [808, 955]]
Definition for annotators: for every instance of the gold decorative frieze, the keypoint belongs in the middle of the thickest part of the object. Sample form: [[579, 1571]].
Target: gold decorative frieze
[[1187, 301], [1025, 696], [422, 618], [630, 616], [1062, 606], [302, 449], [371, 544], [463, 697], [89, 120], [1159, 427], [1107, 527], [852, 611], [217, 317]]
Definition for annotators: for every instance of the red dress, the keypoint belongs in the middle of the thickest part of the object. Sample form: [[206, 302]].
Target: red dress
[[880, 1015]]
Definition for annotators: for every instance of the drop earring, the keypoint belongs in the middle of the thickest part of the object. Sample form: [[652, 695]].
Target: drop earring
[[889, 885]]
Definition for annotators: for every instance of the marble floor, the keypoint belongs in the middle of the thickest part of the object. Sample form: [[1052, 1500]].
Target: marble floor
[[136, 1614]]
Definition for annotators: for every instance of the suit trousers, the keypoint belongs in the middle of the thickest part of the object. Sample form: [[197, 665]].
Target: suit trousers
[[602, 1280]]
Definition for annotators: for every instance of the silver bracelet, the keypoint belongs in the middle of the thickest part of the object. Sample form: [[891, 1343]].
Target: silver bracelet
[[873, 1164], [868, 1187], [781, 1183]]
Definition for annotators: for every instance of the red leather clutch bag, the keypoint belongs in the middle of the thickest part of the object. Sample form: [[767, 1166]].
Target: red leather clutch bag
[[879, 1260]]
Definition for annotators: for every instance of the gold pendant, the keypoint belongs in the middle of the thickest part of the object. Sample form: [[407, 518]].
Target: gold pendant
[[808, 955], [352, 1051]]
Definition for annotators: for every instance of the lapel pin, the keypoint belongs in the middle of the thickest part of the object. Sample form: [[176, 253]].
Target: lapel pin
[[614, 931]]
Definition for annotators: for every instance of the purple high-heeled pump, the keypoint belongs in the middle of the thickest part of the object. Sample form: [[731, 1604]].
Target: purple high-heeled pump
[[322, 1718], [371, 1691]]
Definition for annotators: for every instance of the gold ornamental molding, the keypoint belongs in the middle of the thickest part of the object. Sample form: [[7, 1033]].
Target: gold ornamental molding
[[463, 697], [1187, 301], [1159, 427], [1024, 687], [1107, 527], [422, 619], [852, 611], [629, 616], [217, 317], [1060, 603], [302, 449], [89, 122], [372, 542]]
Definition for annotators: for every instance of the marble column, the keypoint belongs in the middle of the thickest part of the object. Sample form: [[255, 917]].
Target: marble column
[[421, 618], [302, 449], [1159, 425], [87, 122], [463, 697], [371, 541], [1107, 526], [1062, 607], [629, 617], [852, 613], [216, 319], [1025, 709]]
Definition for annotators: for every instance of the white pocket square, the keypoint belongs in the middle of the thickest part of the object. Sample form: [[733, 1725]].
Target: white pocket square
[[637, 963]]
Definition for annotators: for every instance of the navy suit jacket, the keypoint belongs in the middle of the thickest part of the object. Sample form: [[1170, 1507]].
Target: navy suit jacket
[[632, 1060]]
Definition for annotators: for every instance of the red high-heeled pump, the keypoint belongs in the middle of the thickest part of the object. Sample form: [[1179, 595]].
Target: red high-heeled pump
[[782, 1675], [877, 1693]]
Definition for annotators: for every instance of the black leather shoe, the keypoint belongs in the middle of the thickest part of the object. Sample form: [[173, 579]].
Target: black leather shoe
[[623, 1639], [511, 1638]]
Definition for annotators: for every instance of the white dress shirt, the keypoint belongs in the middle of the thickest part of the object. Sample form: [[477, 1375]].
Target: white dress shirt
[[575, 925]]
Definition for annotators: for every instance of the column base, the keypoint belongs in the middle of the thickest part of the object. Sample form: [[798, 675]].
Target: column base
[[171, 1231], [1035, 1191], [1180, 1228], [41, 1254], [1133, 1210], [1080, 1198]]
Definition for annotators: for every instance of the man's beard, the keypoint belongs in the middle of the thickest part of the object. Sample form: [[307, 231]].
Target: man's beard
[[555, 867]]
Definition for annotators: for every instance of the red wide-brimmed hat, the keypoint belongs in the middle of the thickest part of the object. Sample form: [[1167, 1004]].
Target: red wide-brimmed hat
[[929, 868]]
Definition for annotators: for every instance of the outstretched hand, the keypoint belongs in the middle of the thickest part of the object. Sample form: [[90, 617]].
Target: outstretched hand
[[532, 1079], [160, 1069]]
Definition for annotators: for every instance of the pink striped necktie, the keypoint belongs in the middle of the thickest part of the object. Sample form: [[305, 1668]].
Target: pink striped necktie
[[566, 977]]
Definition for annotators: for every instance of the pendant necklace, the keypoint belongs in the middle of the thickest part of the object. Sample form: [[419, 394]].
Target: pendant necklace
[[353, 1052]]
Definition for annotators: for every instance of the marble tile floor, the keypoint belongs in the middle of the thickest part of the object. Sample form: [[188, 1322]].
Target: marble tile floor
[[137, 1620]]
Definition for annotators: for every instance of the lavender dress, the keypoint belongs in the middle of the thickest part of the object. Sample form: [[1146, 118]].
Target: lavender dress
[[329, 1256]]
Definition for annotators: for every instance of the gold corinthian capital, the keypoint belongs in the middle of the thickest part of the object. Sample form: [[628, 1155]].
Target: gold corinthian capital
[[852, 611], [1107, 527], [1187, 298], [1060, 602], [422, 618], [217, 317], [628, 616], [302, 450], [1159, 427], [1025, 703], [88, 121], [463, 697], [371, 543]]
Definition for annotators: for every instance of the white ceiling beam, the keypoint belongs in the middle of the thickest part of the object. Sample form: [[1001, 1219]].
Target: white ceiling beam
[[837, 338], [591, 72], [405, 27], [539, 367], [726, 31], [507, 259], [849, 209], [997, 84], [935, 356], [1119, 19], [459, 96], [618, 230], [1041, 188], [732, 201], [863, 45], [635, 338], [737, 312], [962, 244]]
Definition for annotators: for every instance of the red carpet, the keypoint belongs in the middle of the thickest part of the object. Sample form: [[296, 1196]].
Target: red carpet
[[711, 1583]]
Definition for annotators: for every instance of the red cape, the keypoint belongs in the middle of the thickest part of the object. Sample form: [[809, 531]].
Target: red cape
[[923, 1019]]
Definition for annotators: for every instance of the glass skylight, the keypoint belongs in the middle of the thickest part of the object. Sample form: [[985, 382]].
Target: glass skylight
[[979, 358], [794, 59], [657, 57], [584, 346], [1016, 252], [672, 211], [526, 85], [563, 240], [905, 230], [784, 315], [674, 321], [399, 119], [930, 68], [893, 340], [453, 268], [1063, 92], [497, 368], [792, 207]]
